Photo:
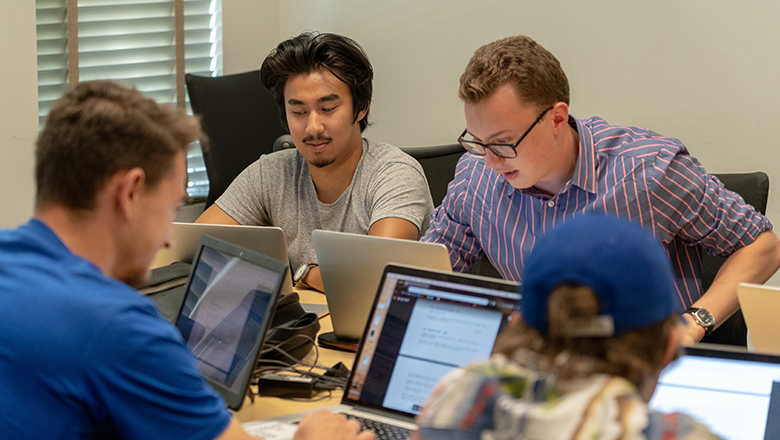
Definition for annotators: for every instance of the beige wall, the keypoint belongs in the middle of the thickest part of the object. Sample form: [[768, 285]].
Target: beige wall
[[250, 29], [705, 72], [18, 112]]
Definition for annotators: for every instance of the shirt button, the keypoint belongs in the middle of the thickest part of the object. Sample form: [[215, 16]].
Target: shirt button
[[550, 203]]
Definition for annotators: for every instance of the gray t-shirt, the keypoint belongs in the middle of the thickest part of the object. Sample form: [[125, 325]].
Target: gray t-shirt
[[277, 190]]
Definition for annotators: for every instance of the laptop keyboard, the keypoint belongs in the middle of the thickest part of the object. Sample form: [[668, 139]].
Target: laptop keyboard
[[382, 430]]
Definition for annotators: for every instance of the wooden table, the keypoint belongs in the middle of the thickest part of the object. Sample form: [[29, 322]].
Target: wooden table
[[269, 407]]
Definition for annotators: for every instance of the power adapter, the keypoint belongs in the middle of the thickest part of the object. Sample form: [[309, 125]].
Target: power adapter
[[285, 385]]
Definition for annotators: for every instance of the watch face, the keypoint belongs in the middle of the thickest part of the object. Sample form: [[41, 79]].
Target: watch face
[[300, 272], [705, 317]]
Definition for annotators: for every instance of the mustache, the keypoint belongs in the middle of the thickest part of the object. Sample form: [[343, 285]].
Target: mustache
[[311, 138]]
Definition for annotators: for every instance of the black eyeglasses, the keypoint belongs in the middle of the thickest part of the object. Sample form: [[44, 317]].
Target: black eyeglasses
[[507, 151]]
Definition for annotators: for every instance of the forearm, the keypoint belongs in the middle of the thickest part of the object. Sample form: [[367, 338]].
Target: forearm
[[754, 263]]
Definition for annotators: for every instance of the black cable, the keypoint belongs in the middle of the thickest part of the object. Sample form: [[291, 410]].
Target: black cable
[[322, 382]]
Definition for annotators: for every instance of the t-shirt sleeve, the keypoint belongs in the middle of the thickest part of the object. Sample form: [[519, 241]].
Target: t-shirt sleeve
[[399, 189], [145, 382], [695, 206], [451, 221], [244, 199]]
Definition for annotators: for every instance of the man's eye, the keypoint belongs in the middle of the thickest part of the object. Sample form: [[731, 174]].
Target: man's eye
[[297, 112], [329, 109]]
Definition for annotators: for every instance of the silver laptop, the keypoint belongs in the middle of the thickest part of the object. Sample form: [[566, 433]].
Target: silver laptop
[[230, 301], [423, 324], [735, 393], [351, 266], [760, 308], [268, 240]]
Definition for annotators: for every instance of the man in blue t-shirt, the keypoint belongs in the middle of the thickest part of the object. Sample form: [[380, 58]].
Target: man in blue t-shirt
[[82, 354]]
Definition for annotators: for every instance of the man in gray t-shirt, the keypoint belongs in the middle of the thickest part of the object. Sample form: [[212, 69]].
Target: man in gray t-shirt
[[334, 179]]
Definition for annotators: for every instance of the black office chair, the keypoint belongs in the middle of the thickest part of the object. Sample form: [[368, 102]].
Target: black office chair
[[283, 142], [439, 163], [754, 188], [241, 120]]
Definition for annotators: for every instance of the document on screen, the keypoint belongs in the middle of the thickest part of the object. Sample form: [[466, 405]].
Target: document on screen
[[440, 336]]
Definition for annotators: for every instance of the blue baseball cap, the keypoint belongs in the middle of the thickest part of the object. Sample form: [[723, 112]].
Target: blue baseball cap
[[622, 262]]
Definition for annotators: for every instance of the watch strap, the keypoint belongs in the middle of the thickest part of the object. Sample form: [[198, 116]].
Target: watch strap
[[302, 271], [696, 312]]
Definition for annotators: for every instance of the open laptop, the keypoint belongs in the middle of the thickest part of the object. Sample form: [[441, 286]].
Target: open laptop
[[267, 240], [351, 266], [230, 300], [422, 325], [735, 393], [760, 306]]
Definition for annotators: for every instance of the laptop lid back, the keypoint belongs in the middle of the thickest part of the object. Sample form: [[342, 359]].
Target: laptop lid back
[[760, 306], [267, 240], [231, 295], [735, 393], [424, 324], [351, 266]]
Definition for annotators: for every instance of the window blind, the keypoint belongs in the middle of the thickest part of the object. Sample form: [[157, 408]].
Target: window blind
[[132, 42]]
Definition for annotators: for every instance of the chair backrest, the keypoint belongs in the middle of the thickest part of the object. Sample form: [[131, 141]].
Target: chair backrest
[[754, 189], [439, 163], [241, 120], [283, 142]]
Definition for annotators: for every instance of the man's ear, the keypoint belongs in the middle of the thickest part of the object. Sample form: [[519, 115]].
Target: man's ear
[[127, 186], [362, 113], [560, 116]]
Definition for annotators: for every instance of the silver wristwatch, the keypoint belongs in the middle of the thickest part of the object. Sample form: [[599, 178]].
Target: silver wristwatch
[[302, 271], [702, 317]]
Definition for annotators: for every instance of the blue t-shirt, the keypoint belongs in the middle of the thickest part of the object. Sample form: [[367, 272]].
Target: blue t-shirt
[[83, 355]]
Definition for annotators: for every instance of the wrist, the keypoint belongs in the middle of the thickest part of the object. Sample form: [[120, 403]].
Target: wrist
[[694, 330], [702, 319]]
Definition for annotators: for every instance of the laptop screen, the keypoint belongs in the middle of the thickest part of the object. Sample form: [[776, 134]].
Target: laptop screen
[[735, 394], [230, 297], [423, 325]]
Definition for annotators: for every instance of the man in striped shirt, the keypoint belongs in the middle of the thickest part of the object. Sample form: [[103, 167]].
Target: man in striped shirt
[[534, 166]]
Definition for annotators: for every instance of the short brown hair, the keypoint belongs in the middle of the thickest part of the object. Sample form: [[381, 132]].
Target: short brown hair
[[99, 128], [534, 72], [634, 355]]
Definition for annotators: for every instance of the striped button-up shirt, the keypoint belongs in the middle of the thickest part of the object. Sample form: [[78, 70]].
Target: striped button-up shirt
[[627, 171]]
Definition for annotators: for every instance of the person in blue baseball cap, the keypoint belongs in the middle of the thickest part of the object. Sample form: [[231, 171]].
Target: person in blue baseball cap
[[600, 323]]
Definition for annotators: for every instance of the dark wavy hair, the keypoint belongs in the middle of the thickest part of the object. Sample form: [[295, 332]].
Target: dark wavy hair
[[311, 51], [99, 128]]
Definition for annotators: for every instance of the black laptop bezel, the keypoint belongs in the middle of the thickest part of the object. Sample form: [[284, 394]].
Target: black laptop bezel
[[729, 352], [435, 275], [233, 399]]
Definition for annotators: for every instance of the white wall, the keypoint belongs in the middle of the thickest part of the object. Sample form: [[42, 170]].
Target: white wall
[[705, 72], [250, 29], [18, 112]]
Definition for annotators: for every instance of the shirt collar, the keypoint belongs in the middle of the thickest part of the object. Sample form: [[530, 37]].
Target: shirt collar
[[585, 171]]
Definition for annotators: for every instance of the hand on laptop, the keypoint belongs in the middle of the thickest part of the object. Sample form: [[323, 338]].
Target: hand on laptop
[[328, 426]]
